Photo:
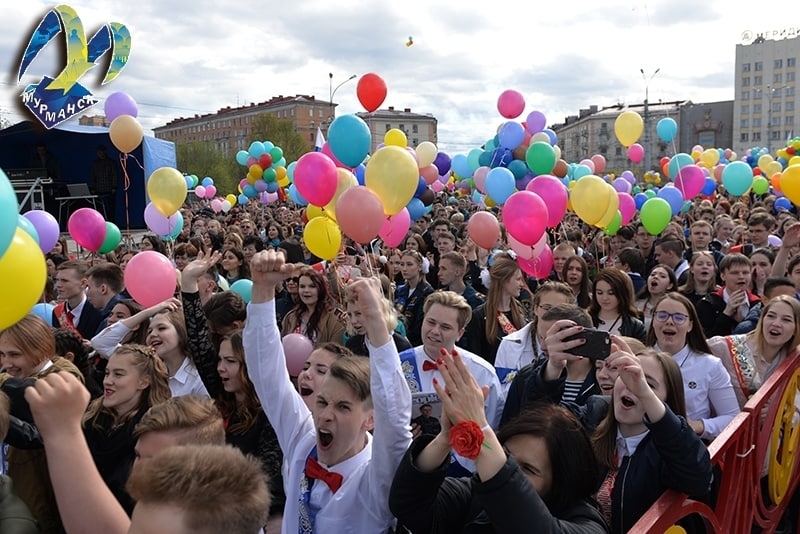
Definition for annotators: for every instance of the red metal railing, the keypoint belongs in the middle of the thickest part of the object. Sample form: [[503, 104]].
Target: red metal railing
[[757, 456]]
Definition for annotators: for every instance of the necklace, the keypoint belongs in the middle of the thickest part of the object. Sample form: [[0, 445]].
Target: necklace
[[610, 328]]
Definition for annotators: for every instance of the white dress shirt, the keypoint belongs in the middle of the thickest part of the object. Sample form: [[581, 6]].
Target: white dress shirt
[[516, 350], [187, 381], [362, 503]]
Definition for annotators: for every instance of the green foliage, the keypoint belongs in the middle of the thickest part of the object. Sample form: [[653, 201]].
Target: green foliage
[[204, 159], [281, 133]]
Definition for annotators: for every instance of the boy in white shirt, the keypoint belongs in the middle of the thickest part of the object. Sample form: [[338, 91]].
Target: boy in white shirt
[[335, 479]]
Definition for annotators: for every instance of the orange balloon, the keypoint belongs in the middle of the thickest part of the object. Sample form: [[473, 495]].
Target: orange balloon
[[775, 181], [561, 168], [125, 133], [484, 229]]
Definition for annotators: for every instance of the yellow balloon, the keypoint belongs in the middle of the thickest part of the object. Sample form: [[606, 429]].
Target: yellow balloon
[[773, 168], [167, 190], [280, 173], [284, 182], [22, 261], [125, 133], [628, 127], [323, 237], [345, 180], [613, 207], [489, 202], [231, 198], [426, 153], [393, 175], [591, 199], [696, 155], [675, 529], [790, 183], [395, 137], [764, 161], [793, 161], [312, 212]]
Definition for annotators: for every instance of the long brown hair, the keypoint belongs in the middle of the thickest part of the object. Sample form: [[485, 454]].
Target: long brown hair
[[696, 339], [584, 296], [324, 303], [503, 270], [248, 410], [758, 333], [622, 287], [691, 284]]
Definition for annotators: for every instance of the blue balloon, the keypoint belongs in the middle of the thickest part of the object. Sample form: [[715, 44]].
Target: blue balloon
[[460, 166], [256, 149], [189, 182], [737, 177], [268, 145], [280, 163], [244, 288], [500, 184], [421, 187], [416, 208], [473, 158], [580, 171], [44, 311], [249, 191], [674, 198], [359, 172], [519, 169], [666, 129], [242, 199], [639, 199], [296, 197], [176, 230], [208, 181], [349, 139], [24, 223], [709, 186], [272, 187], [552, 135], [486, 158], [9, 209], [241, 157], [511, 135], [782, 203]]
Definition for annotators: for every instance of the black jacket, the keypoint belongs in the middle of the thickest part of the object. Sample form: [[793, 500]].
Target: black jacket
[[710, 310], [507, 503], [410, 309], [15, 517], [474, 338], [630, 327], [358, 344], [530, 387]]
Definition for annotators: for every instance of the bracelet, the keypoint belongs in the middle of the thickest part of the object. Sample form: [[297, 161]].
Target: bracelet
[[486, 428]]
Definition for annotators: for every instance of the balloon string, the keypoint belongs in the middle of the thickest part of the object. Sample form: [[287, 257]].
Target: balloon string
[[123, 161]]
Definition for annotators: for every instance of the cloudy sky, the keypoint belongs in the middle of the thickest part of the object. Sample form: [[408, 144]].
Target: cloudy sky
[[196, 56]]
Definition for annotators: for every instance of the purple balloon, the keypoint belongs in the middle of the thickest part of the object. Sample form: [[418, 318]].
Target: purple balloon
[[535, 122], [159, 223], [622, 185], [260, 186], [442, 163], [628, 175], [120, 103], [46, 226]]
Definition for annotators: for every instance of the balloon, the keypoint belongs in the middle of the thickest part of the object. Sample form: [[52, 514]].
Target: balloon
[[599, 163], [667, 128], [344, 181], [790, 183], [371, 91], [241, 157], [737, 177], [510, 104], [29, 228], [200, 191], [360, 214], [525, 216], [46, 227], [211, 191], [655, 215], [426, 154], [621, 185], [511, 135], [628, 127], [126, 134], [395, 137], [297, 348], [113, 238], [690, 181], [484, 229], [25, 272], [243, 288], [613, 227], [120, 103], [150, 278], [709, 157], [88, 228], [43, 310], [535, 122], [760, 185], [429, 173], [540, 157], [176, 229], [709, 186], [349, 139], [323, 238], [8, 212], [640, 199], [394, 228], [592, 198], [627, 208], [500, 184], [554, 194], [677, 162], [782, 204], [673, 196], [539, 267], [167, 190], [315, 178], [442, 162], [635, 152], [416, 208], [393, 175], [226, 206]]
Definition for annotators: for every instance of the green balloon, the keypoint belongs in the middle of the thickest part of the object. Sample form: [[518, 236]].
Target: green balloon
[[650, 193], [655, 214], [276, 152], [636, 189], [540, 157], [760, 185], [614, 225], [113, 237]]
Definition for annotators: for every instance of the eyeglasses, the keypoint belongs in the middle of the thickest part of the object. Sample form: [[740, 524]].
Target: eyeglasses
[[677, 318], [293, 279]]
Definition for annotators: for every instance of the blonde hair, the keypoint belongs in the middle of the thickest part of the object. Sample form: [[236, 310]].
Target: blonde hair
[[450, 299], [33, 337], [192, 419]]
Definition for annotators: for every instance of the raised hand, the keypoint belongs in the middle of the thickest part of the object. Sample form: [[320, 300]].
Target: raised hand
[[58, 402], [198, 267], [556, 346], [791, 236], [368, 294], [268, 269], [462, 397]]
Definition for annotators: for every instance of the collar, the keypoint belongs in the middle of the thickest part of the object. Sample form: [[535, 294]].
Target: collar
[[627, 446], [349, 466], [76, 311], [182, 374]]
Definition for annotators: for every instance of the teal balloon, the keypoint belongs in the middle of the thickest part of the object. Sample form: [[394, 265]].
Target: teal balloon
[[349, 139], [473, 158], [9, 210], [667, 129], [677, 162], [737, 177], [581, 171], [518, 168], [28, 226], [655, 215], [500, 184], [114, 236], [243, 288], [540, 157]]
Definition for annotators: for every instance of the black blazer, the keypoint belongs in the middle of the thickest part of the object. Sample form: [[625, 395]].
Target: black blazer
[[89, 324]]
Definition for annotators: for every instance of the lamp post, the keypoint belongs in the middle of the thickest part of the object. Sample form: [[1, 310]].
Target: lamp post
[[770, 93], [331, 92], [646, 146]]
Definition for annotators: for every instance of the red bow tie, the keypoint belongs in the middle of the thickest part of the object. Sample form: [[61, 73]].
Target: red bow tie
[[428, 365], [315, 470]]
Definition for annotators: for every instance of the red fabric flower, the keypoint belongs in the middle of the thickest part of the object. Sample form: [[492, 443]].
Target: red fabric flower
[[466, 438]]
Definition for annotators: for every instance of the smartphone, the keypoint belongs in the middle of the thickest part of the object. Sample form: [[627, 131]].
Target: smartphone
[[597, 346]]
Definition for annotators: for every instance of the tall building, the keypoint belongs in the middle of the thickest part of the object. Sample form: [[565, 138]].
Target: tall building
[[93, 120], [229, 128], [418, 127], [764, 110]]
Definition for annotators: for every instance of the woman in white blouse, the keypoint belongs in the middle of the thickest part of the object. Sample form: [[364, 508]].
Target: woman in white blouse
[[710, 400]]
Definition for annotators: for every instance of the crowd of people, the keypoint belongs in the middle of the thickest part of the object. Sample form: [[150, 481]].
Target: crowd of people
[[444, 391]]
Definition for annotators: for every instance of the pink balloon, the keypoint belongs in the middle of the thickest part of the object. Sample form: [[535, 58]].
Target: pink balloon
[[589, 163], [359, 213], [88, 228], [200, 191], [540, 267], [437, 186], [430, 173], [599, 163], [211, 191], [554, 194], [316, 178], [216, 205], [479, 177], [297, 348], [627, 207], [635, 152], [510, 104], [150, 278], [326, 149], [395, 227], [484, 229], [525, 215], [690, 181], [527, 252]]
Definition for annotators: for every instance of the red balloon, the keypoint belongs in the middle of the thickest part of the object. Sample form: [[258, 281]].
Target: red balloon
[[371, 91], [265, 160]]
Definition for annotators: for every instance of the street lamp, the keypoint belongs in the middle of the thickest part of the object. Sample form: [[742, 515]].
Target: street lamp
[[647, 114], [332, 91], [770, 93]]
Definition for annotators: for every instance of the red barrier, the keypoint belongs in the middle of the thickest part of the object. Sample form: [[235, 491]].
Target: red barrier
[[757, 456]]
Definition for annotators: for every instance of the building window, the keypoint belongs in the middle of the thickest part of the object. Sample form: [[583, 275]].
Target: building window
[[757, 94], [790, 76], [402, 127], [787, 134], [414, 128], [789, 91], [388, 126], [746, 82], [618, 151], [788, 121], [310, 112], [790, 62], [744, 123], [777, 77], [745, 109], [756, 108], [778, 64], [744, 137], [775, 121], [756, 123], [745, 95], [758, 80], [776, 106], [415, 141], [774, 136], [756, 136], [321, 113], [758, 66], [745, 67]]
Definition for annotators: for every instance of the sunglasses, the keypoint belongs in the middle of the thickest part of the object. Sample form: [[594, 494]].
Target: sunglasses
[[293, 279], [677, 318]]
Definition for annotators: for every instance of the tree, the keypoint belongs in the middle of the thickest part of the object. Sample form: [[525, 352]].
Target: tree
[[281, 133], [204, 159]]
